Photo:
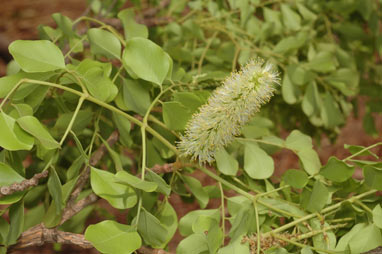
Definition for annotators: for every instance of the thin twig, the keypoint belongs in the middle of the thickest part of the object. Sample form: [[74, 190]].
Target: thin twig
[[23, 185], [77, 207], [96, 157]]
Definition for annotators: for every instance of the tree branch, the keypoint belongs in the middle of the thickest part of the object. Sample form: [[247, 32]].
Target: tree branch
[[39, 235], [23, 185]]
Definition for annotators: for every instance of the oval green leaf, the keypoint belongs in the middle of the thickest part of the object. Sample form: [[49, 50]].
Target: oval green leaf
[[118, 195], [112, 237], [226, 163], [12, 137], [257, 163], [37, 56], [295, 178], [104, 43], [337, 170], [146, 60], [33, 126]]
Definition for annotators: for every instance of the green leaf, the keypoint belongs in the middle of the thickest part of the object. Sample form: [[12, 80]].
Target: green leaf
[[291, 19], [337, 170], [21, 110], [318, 197], [274, 18], [306, 13], [64, 24], [34, 216], [311, 103], [163, 187], [55, 189], [323, 62], [235, 247], [16, 217], [295, 178], [330, 113], [112, 237], [49, 33], [104, 43], [123, 125], [298, 141], [377, 216], [118, 195], [243, 222], [257, 163], [369, 125], [98, 85], [290, 92], [203, 224], [373, 177], [186, 222], [151, 230], [9, 176], [12, 137], [4, 229], [37, 56], [33, 126], [146, 60], [226, 163], [310, 161], [189, 100], [135, 96], [122, 177], [214, 237], [290, 43], [175, 115], [346, 80], [130, 27], [193, 244], [324, 242], [366, 239], [168, 218], [299, 75], [76, 45], [114, 156], [84, 118], [7, 83], [197, 190], [343, 243]]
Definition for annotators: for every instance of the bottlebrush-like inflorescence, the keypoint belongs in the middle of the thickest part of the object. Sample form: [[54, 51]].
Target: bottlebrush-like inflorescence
[[228, 109]]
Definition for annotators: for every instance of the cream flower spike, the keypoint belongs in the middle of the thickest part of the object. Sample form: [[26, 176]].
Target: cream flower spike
[[228, 109]]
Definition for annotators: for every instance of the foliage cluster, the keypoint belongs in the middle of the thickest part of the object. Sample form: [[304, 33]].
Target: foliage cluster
[[89, 103]]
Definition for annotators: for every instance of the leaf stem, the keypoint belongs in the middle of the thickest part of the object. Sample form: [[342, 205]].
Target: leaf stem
[[258, 246], [222, 208], [70, 125], [144, 152]]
